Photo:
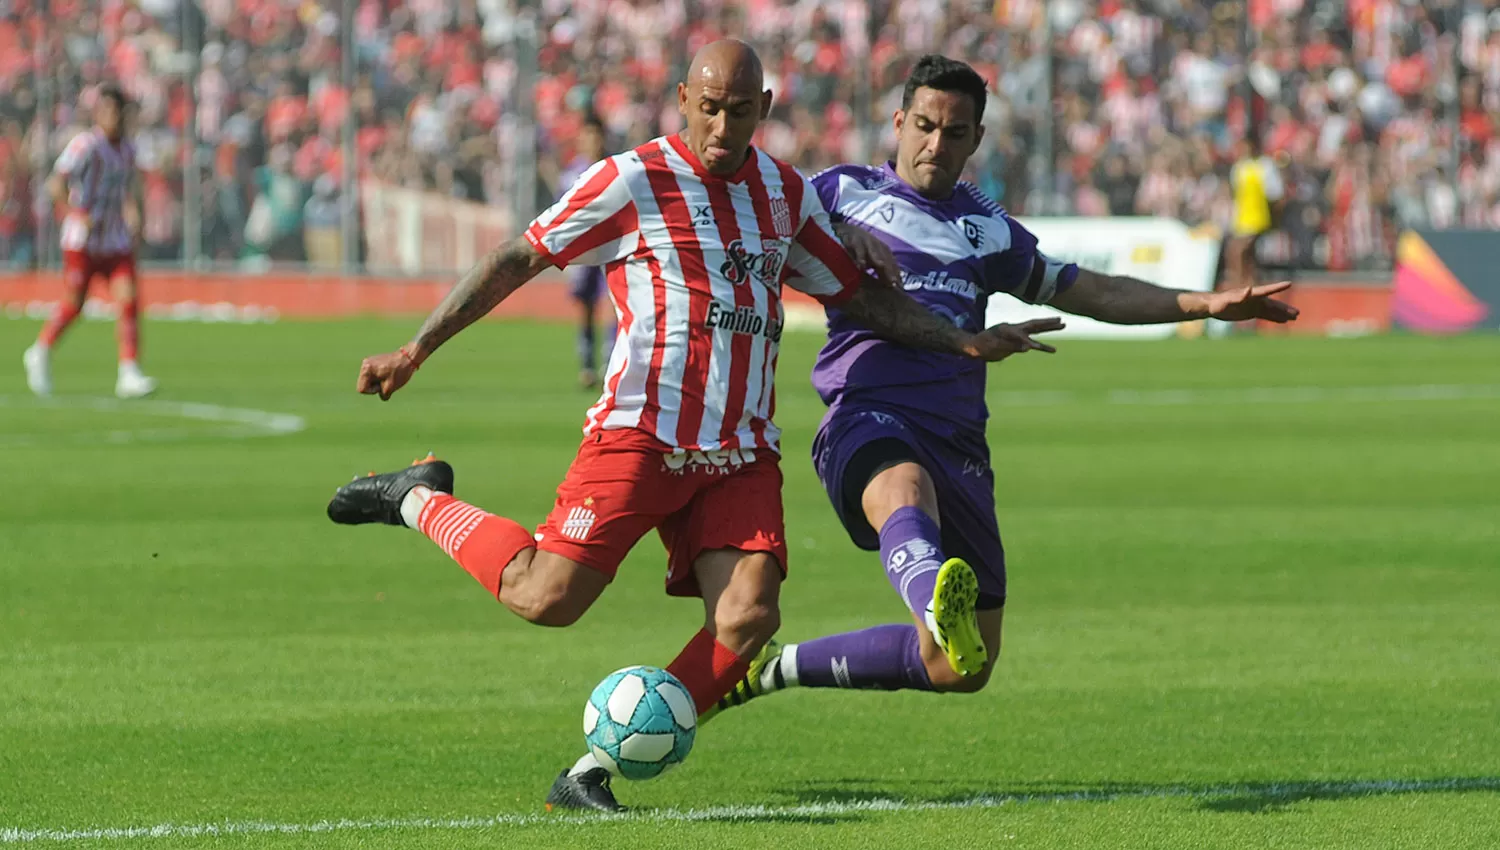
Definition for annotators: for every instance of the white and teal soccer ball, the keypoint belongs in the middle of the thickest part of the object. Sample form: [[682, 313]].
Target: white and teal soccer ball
[[640, 721]]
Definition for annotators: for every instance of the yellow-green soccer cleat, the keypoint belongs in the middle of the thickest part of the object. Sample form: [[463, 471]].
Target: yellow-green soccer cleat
[[763, 677], [953, 602]]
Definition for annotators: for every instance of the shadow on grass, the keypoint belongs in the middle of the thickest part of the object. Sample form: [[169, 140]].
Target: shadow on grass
[[858, 796]]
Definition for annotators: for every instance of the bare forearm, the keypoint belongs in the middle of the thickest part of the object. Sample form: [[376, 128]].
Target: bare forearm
[[899, 318], [498, 274], [1127, 301]]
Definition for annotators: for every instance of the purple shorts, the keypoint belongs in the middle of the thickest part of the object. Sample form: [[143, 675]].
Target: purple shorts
[[586, 283], [856, 441]]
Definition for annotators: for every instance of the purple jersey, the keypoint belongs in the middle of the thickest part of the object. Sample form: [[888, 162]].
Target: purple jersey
[[954, 254]]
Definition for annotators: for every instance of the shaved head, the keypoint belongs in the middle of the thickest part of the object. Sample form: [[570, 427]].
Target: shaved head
[[728, 65], [723, 102]]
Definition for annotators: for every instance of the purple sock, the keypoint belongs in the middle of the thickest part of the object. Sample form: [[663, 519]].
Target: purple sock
[[911, 549], [885, 658]]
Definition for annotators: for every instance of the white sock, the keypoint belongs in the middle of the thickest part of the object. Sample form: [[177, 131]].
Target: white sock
[[412, 505], [788, 664], [585, 764], [128, 367]]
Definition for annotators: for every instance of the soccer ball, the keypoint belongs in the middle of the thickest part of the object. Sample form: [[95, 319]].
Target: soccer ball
[[640, 721]]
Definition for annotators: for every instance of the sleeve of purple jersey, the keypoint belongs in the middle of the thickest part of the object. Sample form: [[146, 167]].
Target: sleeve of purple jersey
[[826, 182], [1017, 267]]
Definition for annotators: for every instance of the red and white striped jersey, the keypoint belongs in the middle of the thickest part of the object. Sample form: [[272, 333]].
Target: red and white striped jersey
[[98, 175], [695, 265]]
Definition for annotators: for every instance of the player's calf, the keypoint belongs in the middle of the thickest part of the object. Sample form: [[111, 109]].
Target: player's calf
[[945, 680], [941, 672]]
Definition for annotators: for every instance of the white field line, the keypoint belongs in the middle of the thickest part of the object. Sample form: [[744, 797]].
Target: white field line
[[1251, 395], [233, 422], [1274, 792]]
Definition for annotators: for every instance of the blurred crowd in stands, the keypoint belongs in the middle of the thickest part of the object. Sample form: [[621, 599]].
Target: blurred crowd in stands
[[1382, 114]]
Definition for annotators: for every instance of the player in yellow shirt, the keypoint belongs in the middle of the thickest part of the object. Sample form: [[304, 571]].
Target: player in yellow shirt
[[1258, 201]]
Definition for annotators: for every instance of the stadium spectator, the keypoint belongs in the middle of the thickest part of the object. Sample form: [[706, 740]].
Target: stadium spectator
[[437, 103]]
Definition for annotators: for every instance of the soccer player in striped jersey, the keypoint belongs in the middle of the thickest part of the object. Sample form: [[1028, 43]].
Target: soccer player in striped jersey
[[902, 450], [697, 232], [96, 182]]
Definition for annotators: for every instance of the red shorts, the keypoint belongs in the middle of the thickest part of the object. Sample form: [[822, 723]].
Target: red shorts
[[80, 268], [626, 482]]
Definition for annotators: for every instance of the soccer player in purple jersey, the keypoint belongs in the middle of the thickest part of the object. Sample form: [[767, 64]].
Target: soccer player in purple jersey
[[586, 283], [902, 449]]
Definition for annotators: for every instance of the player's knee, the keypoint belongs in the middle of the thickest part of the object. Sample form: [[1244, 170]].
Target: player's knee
[[747, 624], [946, 680]]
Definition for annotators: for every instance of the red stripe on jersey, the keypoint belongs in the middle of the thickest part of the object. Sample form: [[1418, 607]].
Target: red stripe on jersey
[[827, 250], [652, 408], [739, 344], [587, 193], [619, 291], [685, 241], [608, 230], [760, 202]]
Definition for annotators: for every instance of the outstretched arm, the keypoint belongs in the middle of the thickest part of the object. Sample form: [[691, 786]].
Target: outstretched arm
[[491, 280], [498, 274], [1127, 301], [898, 317]]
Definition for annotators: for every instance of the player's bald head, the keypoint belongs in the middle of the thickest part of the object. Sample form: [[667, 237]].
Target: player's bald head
[[727, 65], [723, 103]]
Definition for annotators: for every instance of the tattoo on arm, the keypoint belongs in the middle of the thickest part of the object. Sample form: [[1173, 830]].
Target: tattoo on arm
[[899, 318], [498, 274]]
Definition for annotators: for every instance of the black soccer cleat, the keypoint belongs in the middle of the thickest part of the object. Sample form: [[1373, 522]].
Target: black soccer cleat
[[588, 791], [377, 498]]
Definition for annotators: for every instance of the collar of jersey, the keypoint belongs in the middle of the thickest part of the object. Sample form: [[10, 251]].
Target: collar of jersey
[[746, 169], [905, 190]]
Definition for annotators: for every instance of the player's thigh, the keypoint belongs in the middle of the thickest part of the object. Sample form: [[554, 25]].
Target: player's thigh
[[896, 484], [613, 494], [78, 271], [123, 278], [728, 546], [550, 589]]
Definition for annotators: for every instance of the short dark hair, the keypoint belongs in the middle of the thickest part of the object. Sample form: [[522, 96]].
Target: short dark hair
[[939, 72], [110, 91]]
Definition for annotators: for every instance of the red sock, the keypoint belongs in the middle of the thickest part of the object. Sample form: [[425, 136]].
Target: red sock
[[481, 543], [708, 668], [128, 330], [63, 316]]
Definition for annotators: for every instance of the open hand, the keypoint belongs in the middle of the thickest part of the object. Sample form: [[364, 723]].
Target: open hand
[[1252, 302], [868, 252], [1001, 341], [383, 374]]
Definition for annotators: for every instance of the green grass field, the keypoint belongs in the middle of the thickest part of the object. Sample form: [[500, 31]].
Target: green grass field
[[1238, 618]]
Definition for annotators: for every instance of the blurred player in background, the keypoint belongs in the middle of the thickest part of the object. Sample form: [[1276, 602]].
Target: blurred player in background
[[697, 232], [1259, 198], [902, 450], [587, 282], [96, 183]]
